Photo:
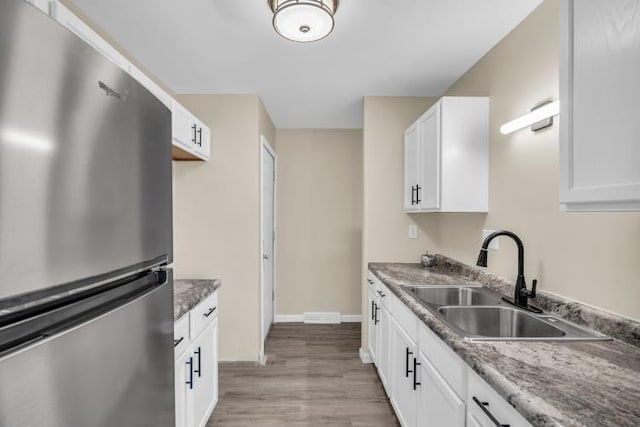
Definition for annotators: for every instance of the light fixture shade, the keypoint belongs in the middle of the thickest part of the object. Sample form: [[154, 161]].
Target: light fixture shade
[[303, 20], [545, 111]]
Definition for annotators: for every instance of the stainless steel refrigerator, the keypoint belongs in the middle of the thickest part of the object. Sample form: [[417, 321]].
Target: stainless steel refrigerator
[[86, 300]]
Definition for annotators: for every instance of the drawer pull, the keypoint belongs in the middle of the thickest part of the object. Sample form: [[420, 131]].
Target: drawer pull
[[190, 381], [199, 370], [381, 294], [483, 406], [370, 281], [178, 341], [407, 371], [415, 373], [211, 310]]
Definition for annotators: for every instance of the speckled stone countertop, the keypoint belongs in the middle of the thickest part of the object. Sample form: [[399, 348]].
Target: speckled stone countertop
[[548, 383], [189, 292]]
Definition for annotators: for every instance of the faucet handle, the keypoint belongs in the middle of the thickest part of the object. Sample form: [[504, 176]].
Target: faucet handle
[[534, 285]]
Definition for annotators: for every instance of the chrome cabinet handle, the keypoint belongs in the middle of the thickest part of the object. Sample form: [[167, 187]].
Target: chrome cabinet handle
[[211, 310], [199, 370], [178, 341], [483, 406], [190, 381]]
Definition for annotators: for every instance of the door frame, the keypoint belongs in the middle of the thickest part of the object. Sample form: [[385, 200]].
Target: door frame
[[265, 145]]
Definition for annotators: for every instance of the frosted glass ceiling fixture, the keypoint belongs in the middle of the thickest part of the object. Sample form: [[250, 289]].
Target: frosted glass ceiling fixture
[[303, 20]]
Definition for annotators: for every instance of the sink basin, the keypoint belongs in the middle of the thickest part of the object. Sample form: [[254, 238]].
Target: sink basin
[[498, 322], [453, 295]]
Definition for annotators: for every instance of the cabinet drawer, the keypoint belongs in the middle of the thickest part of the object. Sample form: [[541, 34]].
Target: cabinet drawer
[[180, 335], [488, 403], [371, 281], [448, 364], [385, 295], [203, 314]]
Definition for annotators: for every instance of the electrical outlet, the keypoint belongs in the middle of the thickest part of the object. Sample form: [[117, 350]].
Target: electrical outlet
[[413, 231], [494, 243]]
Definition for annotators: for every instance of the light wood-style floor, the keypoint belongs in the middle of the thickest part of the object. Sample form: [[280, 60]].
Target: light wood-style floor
[[313, 376]]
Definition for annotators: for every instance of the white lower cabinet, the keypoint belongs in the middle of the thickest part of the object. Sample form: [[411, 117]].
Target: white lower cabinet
[[373, 323], [404, 383], [439, 405], [205, 378], [487, 407], [428, 384], [384, 346], [196, 367]]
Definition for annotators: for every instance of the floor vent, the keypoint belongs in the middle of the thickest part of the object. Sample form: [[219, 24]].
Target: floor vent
[[331, 317]]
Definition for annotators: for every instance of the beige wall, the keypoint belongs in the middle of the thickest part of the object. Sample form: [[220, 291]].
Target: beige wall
[[319, 221], [589, 257], [217, 216]]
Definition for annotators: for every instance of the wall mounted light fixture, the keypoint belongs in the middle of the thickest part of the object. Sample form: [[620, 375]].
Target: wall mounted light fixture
[[540, 117], [303, 20]]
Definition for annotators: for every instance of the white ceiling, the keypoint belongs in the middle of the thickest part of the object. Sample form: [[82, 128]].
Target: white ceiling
[[378, 47]]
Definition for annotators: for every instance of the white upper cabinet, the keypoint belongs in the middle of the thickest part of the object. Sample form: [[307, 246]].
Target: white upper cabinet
[[189, 134], [600, 103], [447, 157], [65, 17]]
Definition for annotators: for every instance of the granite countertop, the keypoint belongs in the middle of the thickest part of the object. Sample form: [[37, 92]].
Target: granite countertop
[[548, 383], [187, 293]]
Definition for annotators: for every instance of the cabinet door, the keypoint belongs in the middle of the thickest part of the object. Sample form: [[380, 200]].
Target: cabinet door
[[183, 126], [439, 405], [184, 388], [203, 140], [65, 17], [411, 170], [384, 342], [429, 153], [373, 325], [205, 378], [600, 100], [404, 395]]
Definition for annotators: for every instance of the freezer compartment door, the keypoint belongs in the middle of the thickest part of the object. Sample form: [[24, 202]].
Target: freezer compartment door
[[85, 159], [115, 369]]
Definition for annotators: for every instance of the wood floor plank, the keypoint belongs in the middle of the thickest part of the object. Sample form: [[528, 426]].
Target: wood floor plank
[[313, 376]]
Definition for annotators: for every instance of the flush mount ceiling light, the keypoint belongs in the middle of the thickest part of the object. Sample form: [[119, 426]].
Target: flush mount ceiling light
[[303, 20]]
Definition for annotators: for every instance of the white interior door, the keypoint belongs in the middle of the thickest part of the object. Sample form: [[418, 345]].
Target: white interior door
[[268, 236]]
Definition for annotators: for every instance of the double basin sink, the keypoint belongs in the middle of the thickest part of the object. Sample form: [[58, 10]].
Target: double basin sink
[[479, 314]]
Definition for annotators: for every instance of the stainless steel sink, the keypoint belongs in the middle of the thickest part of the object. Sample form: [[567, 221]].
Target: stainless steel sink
[[464, 295], [498, 322], [479, 314]]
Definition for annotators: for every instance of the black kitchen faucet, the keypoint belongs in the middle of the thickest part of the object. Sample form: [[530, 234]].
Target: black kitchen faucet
[[522, 294]]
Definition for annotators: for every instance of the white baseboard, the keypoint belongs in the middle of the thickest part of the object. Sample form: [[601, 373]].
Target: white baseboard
[[365, 356], [328, 317], [300, 318], [288, 318]]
